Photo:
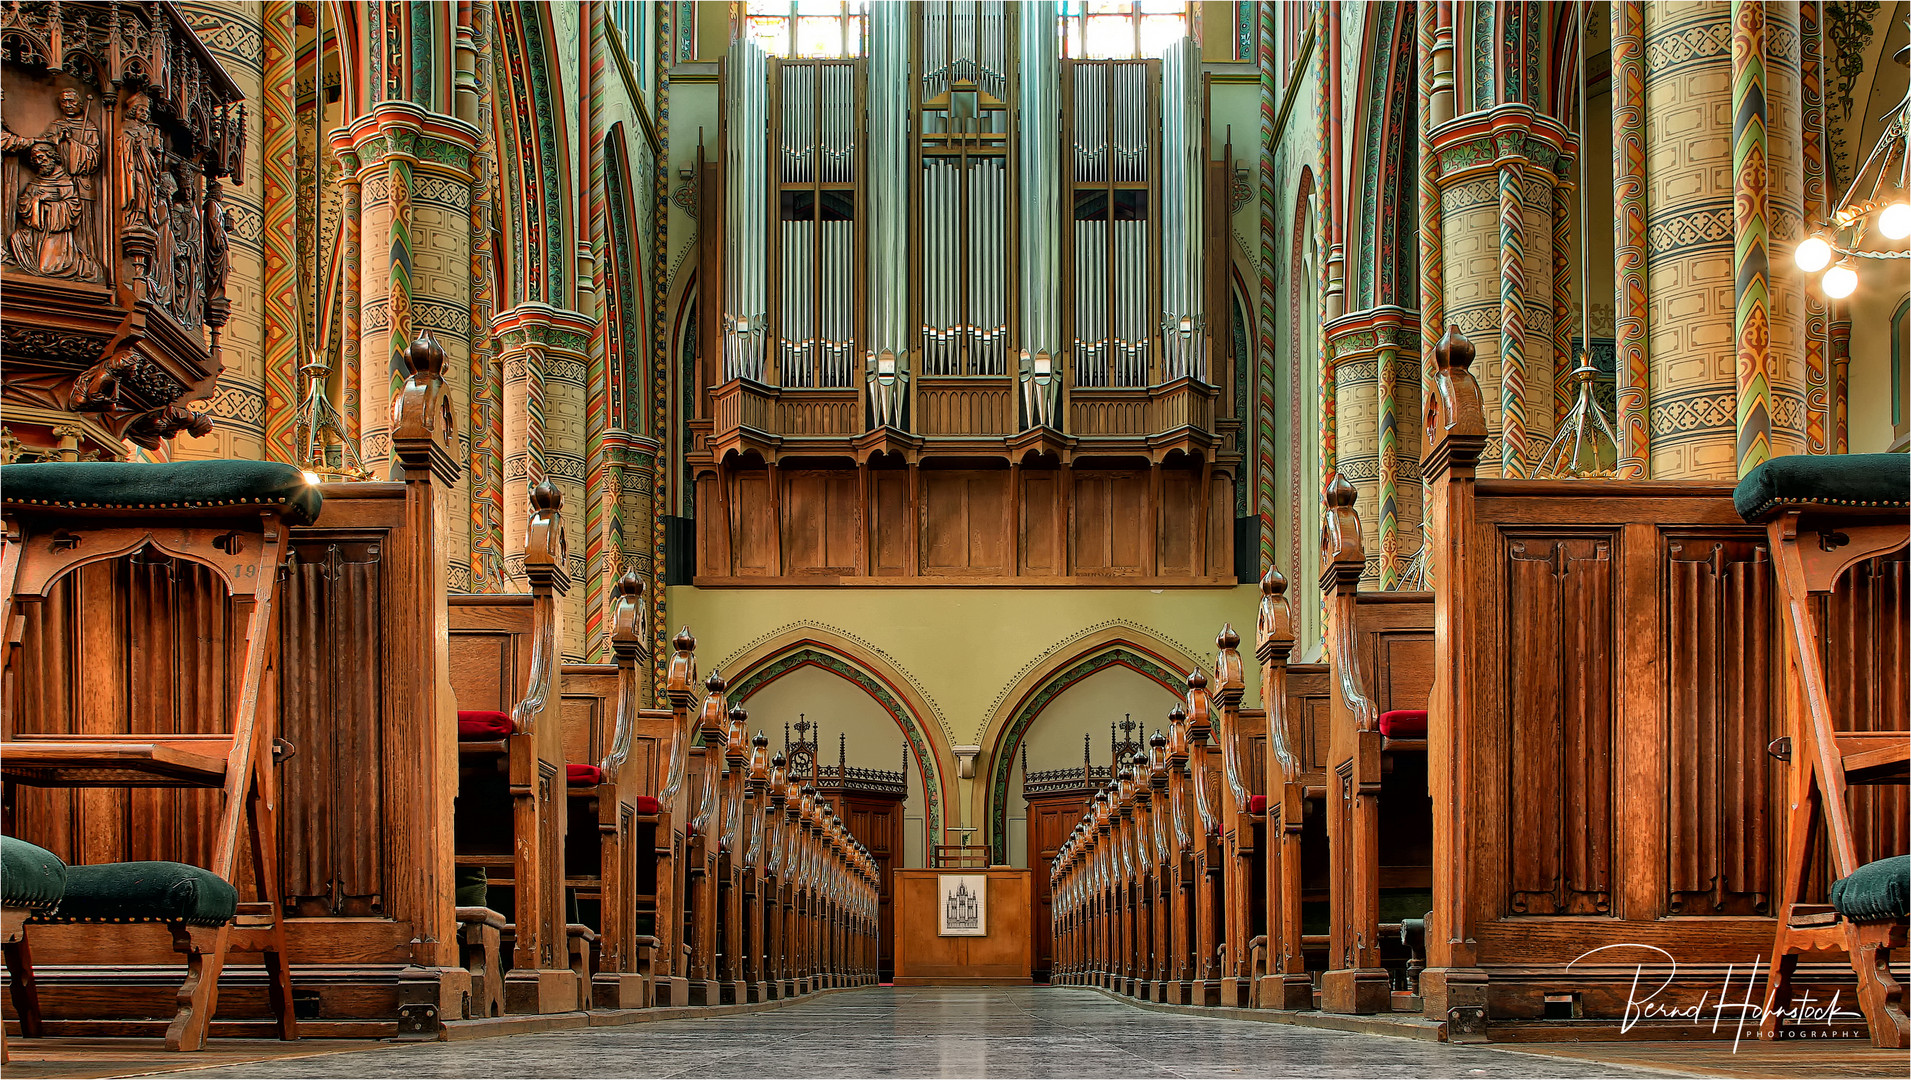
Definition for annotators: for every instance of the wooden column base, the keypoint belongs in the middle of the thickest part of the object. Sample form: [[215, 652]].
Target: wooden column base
[[1180, 993], [1234, 993], [1457, 996], [620, 990], [1356, 990], [704, 992], [1204, 992], [537, 990], [673, 991], [1285, 992], [757, 992]]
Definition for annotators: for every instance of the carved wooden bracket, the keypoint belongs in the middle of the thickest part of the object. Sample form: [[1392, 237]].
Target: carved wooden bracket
[[1455, 414]]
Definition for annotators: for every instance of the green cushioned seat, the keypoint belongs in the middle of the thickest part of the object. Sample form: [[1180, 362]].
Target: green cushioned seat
[[31, 877], [1875, 892], [1823, 480], [146, 892], [185, 486], [473, 887]]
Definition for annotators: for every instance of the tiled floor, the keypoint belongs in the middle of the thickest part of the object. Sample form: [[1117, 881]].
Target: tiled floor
[[1035, 1032]]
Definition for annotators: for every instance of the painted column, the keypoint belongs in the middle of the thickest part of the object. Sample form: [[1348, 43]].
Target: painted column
[[349, 270], [1787, 363], [1690, 345], [593, 279], [233, 34], [1510, 163], [1751, 228], [278, 174], [486, 418], [1263, 429], [1630, 371], [1812, 105]]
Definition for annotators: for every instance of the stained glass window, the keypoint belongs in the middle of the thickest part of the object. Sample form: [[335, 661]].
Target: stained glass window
[[815, 29], [1109, 30]]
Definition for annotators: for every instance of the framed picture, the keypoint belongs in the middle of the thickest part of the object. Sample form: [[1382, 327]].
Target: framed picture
[[963, 905]]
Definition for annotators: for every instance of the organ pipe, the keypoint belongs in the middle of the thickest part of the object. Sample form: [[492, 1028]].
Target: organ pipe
[[746, 236], [1183, 322], [887, 362], [1038, 181]]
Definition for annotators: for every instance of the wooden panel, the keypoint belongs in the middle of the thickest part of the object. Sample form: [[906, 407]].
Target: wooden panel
[[1112, 517], [1868, 620], [895, 525], [965, 522], [1722, 709], [1040, 504], [1181, 521], [755, 526], [1559, 688], [1050, 819], [1003, 957], [822, 522], [968, 405]]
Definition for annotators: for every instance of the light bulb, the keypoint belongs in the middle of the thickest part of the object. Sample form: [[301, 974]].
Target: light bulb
[[1895, 221], [1813, 255], [1841, 280], [311, 477]]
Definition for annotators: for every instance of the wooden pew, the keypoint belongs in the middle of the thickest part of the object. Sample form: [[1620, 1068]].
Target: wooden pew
[[499, 644], [1380, 832], [1210, 862], [612, 864], [1606, 676], [1242, 736], [757, 883], [364, 850], [705, 774], [1294, 770], [671, 982]]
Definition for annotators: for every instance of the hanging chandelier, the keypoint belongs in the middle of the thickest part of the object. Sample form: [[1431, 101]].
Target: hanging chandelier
[[1877, 202]]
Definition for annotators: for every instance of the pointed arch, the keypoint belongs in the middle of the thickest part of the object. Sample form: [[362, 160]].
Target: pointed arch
[[1059, 668], [892, 690], [533, 146], [1385, 253]]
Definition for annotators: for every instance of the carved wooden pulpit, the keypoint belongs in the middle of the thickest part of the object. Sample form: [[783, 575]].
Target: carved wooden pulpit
[[118, 128]]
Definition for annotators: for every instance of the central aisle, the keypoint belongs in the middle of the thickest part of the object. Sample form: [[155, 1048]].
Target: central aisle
[[936, 1031]]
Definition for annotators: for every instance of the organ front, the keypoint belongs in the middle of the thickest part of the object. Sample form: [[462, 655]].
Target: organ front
[[964, 313]]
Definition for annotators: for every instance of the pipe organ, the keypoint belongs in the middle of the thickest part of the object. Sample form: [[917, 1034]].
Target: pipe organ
[[976, 341]]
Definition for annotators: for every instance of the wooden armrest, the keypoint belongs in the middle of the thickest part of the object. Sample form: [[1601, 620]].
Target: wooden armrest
[[483, 748], [118, 761], [1872, 757], [473, 916], [1404, 746]]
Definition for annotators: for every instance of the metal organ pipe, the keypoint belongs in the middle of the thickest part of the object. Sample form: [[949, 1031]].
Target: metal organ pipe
[[1183, 323], [745, 184], [888, 184], [1039, 182]]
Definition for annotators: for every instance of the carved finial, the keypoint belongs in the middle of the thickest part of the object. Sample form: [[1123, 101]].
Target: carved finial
[[685, 641], [1158, 739], [715, 683], [1339, 493], [1197, 681], [1453, 350], [1228, 639], [423, 356], [759, 739], [546, 497], [1273, 583]]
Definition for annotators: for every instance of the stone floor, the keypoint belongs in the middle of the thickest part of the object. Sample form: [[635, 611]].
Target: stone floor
[[1033, 1032]]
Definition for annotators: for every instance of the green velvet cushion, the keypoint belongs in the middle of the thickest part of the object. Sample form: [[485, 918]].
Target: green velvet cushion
[[1855, 480], [187, 486], [473, 890], [1875, 892], [147, 892], [30, 877]]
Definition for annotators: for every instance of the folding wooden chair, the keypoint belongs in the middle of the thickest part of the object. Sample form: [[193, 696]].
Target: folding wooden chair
[[233, 518], [1825, 515]]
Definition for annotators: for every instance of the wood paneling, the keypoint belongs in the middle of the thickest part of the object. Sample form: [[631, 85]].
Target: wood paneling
[[1050, 819], [1003, 957]]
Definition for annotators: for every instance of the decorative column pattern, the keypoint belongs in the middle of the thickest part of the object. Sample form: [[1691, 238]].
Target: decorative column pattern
[[234, 36], [1690, 346], [1511, 164], [1265, 341], [1786, 292], [485, 428], [278, 174], [1629, 233], [1564, 323], [1751, 227], [350, 268], [599, 392], [1327, 81], [1811, 86]]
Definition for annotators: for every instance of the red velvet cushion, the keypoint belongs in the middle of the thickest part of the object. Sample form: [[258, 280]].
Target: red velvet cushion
[[1257, 804], [648, 805], [483, 725], [1404, 724], [583, 775]]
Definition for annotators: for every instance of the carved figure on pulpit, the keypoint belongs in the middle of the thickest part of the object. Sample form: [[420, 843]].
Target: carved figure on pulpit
[[185, 246], [48, 215], [141, 152], [53, 200], [218, 250]]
